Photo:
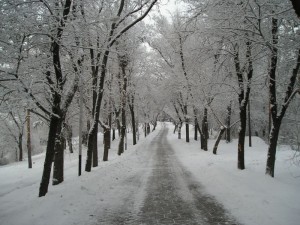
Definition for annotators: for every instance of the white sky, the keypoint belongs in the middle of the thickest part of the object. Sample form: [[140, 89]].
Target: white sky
[[166, 8]]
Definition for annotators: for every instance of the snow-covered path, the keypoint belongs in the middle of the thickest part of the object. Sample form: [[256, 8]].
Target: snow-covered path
[[174, 197], [168, 196]]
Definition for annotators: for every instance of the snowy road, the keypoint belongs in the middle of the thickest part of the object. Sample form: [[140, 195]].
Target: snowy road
[[160, 192]]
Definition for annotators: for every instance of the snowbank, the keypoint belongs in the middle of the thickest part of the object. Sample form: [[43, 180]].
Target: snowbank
[[250, 195], [78, 199]]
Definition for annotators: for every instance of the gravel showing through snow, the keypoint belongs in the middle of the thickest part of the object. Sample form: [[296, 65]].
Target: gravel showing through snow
[[169, 195]]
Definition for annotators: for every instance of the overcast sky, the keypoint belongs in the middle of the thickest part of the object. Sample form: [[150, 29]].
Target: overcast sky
[[166, 7]]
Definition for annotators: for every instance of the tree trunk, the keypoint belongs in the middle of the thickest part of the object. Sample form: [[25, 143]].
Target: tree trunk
[[218, 140], [204, 136], [148, 129], [92, 152], [122, 137], [29, 140], [179, 130], [241, 140], [175, 128], [196, 130], [106, 137], [145, 129], [273, 117], [187, 132], [125, 140], [187, 127], [91, 140], [20, 146], [131, 107], [154, 126], [228, 124], [95, 148], [109, 130], [118, 127], [249, 125], [243, 98], [113, 134], [58, 170], [52, 136], [272, 148], [277, 118], [123, 62]]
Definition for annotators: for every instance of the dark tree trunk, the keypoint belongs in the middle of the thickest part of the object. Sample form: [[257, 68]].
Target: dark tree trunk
[[290, 93], [218, 140], [106, 137], [92, 155], [187, 132], [243, 100], [58, 170], [179, 125], [175, 128], [29, 139], [95, 148], [20, 146], [274, 119], [228, 124], [148, 129], [187, 127], [270, 168], [52, 136], [109, 130], [154, 126], [196, 130], [113, 134], [179, 130], [118, 125], [204, 136], [145, 129], [92, 152], [241, 140], [277, 119], [88, 164], [133, 133], [123, 133], [249, 125], [123, 62], [56, 122], [131, 108]]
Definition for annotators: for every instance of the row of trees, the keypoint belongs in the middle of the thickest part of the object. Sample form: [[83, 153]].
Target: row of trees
[[58, 54], [218, 56]]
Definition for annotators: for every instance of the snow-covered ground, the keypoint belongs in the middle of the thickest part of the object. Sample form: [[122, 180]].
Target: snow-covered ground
[[78, 199], [250, 195]]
